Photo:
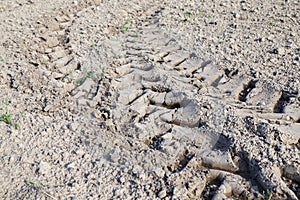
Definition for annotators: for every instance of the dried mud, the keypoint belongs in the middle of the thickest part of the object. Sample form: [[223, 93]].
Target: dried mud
[[149, 100]]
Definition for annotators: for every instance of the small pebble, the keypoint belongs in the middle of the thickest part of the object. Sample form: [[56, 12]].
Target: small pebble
[[279, 51], [162, 193], [44, 168], [72, 126]]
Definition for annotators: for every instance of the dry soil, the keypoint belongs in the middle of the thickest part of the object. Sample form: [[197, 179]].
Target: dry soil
[[144, 99]]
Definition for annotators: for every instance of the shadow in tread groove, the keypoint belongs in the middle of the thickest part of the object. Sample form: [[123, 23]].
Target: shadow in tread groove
[[156, 141], [184, 161], [283, 101], [247, 89], [171, 106]]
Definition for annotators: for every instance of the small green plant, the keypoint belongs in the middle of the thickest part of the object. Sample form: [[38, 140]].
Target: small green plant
[[38, 187], [7, 117], [187, 15], [267, 195], [84, 76], [125, 26], [71, 74], [93, 44], [90, 74], [32, 183], [201, 12], [272, 23], [105, 70], [80, 80], [2, 59], [22, 112]]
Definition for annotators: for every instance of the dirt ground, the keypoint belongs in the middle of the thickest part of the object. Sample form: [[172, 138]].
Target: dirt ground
[[108, 99]]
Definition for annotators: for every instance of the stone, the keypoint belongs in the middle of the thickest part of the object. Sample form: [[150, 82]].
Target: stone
[[179, 191], [279, 51], [57, 54], [167, 136], [137, 169], [71, 66], [124, 69], [62, 18], [114, 155], [48, 50], [159, 172], [47, 108], [44, 168], [223, 80], [291, 134], [237, 15], [56, 75], [87, 85], [52, 25], [162, 193], [80, 152], [62, 61], [47, 73], [73, 126], [52, 41], [293, 111], [122, 179], [97, 2], [70, 166], [44, 58], [293, 172]]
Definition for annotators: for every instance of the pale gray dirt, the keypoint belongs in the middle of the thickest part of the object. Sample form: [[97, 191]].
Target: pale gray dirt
[[149, 100]]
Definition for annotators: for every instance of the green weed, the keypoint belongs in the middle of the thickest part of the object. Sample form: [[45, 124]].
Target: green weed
[[105, 70], [201, 12], [90, 74], [80, 80], [31, 183], [22, 112], [125, 26], [71, 74], [2, 59], [187, 15], [93, 44], [7, 118], [272, 23], [38, 187], [266, 195]]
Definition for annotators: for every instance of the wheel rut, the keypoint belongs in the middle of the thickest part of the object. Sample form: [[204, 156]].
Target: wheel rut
[[177, 104]]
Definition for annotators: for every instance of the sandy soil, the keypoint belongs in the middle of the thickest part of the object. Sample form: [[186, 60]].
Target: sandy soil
[[149, 100]]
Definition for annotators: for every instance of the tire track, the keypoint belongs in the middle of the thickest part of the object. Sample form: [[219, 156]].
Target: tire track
[[163, 100], [176, 103]]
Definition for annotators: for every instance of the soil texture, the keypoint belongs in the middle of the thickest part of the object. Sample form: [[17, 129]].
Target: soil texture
[[149, 99]]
